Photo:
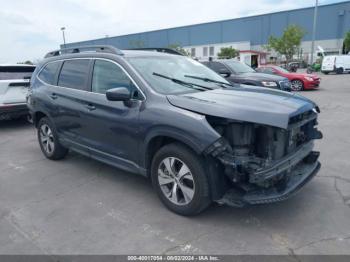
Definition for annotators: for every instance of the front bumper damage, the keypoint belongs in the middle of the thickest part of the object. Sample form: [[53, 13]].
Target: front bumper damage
[[273, 181], [290, 184]]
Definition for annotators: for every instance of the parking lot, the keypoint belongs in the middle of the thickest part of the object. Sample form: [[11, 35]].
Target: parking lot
[[80, 206]]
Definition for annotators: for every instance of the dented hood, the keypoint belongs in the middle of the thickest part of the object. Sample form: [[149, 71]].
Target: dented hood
[[255, 105]]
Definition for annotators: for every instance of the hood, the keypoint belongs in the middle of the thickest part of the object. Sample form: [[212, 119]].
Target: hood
[[260, 77], [300, 75], [255, 105]]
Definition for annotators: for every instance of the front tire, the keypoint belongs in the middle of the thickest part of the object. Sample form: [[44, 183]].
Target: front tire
[[297, 85], [179, 178], [48, 140]]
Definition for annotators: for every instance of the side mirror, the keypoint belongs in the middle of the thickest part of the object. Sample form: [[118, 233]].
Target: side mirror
[[118, 94], [224, 72]]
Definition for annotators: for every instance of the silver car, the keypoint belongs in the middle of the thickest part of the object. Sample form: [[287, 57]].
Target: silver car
[[14, 83]]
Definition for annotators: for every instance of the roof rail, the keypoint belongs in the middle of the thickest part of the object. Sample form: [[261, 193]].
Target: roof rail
[[89, 48], [160, 49]]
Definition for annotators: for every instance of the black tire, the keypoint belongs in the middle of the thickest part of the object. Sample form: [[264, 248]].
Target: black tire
[[201, 196], [326, 73], [297, 85], [57, 150], [339, 70]]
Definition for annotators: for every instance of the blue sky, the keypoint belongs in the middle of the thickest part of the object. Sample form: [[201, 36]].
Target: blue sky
[[31, 28]]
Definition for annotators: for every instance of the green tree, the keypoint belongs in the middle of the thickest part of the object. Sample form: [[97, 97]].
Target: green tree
[[28, 62], [179, 48], [288, 44], [228, 52], [346, 43]]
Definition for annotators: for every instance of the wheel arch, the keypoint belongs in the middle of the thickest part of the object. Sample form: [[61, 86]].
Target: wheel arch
[[37, 116], [159, 139]]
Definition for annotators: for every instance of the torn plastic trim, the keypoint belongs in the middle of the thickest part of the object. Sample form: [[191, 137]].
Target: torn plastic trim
[[300, 176], [282, 165]]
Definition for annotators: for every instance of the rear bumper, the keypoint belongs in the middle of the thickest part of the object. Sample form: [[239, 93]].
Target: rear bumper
[[9, 111]]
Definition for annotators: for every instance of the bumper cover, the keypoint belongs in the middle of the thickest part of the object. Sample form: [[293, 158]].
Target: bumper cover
[[8, 111], [301, 173]]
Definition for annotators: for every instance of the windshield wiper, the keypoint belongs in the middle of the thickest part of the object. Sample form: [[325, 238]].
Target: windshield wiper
[[180, 82], [209, 80]]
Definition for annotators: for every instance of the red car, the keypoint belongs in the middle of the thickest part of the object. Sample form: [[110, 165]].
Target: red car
[[298, 81]]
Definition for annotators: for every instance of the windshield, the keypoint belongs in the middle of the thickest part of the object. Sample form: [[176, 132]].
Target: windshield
[[282, 69], [15, 72], [239, 67], [177, 67]]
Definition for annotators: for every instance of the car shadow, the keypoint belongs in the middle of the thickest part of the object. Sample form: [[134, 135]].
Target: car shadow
[[14, 124], [254, 215]]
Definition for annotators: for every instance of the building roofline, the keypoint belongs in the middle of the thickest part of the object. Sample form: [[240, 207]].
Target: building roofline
[[211, 22]]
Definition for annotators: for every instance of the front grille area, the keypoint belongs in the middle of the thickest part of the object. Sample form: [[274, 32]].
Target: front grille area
[[285, 85]]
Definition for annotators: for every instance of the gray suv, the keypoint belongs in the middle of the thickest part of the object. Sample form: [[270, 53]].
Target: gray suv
[[171, 119]]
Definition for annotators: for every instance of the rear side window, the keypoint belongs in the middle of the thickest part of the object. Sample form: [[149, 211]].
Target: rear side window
[[74, 74], [217, 67], [49, 72]]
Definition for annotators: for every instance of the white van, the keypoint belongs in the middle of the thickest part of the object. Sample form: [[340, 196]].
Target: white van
[[336, 63]]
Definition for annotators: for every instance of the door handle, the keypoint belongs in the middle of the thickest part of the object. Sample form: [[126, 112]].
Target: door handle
[[90, 107], [54, 96]]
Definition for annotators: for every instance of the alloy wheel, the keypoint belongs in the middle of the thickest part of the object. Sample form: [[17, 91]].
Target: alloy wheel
[[46, 139], [176, 181], [297, 85]]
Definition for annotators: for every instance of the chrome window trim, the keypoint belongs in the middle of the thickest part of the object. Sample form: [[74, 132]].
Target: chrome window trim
[[90, 92]]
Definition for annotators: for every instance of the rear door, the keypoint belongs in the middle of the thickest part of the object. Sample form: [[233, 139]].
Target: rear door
[[69, 96], [328, 63], [346, 62]]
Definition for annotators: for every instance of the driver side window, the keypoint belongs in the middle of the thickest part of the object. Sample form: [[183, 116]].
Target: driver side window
[[107, 75]]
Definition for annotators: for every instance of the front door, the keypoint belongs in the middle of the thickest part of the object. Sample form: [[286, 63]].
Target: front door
[[112, 132]]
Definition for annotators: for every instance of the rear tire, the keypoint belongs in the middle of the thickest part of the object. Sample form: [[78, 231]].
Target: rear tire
[[339, 70], [48, 140], [297, 85], [179, 178]]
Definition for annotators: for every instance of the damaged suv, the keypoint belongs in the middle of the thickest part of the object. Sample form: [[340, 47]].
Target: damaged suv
[[170, 118]]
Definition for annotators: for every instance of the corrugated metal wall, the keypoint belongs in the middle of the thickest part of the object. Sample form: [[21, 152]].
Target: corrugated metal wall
[[333, 22]]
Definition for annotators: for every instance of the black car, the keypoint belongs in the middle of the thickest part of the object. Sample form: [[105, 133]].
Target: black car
[[171, 119], [236, 72]]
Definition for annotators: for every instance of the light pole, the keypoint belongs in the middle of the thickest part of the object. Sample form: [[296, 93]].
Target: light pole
[[314, 32], [64, 37]]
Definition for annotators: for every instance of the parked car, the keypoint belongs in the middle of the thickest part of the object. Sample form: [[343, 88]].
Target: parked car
[[336, 63], [168, 117], [237, 72], [14, 83], [299, 81], [292, 66]]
